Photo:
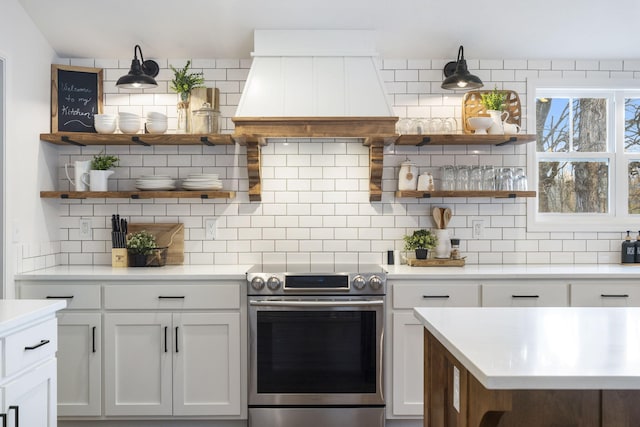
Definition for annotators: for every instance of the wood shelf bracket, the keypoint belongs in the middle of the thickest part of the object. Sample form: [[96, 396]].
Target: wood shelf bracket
[[376, 158], [205, 141], [254, 170], [138, 141], [425, 141], [511, 140]]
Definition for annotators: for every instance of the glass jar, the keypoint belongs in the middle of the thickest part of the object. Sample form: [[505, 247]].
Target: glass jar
[[205, 120]]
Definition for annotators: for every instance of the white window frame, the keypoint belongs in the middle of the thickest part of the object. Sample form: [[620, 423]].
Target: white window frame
[[617, 219]]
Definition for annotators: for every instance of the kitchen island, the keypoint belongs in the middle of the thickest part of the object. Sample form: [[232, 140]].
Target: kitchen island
[[561, 366]]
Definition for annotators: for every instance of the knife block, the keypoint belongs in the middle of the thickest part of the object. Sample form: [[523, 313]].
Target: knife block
[[119, 257]]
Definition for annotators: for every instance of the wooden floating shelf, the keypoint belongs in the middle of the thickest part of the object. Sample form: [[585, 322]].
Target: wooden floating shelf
[[495, 194], [137, 195], [145, 139], [464, 139]]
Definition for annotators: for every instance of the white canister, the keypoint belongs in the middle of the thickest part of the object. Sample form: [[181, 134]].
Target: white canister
[[408, 177], [443, 249], [425, 182]]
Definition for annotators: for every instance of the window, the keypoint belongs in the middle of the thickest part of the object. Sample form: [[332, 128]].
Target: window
[[585, 163]]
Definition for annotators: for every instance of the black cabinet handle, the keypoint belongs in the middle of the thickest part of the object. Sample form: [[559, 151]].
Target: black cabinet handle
[[614, 295], [435, 296], [525, 296], [40, 344], [171, 297], [93, 339], [176, 339], [17, 409], [4, 420], [59, 297], [165, 339]]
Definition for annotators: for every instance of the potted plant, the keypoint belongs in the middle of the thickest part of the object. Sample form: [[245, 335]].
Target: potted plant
[[100, 171], [494, 103], [140, 245], [420, 241], [182, 83]]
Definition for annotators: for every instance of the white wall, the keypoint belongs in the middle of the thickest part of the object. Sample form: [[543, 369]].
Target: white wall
[[315, 204], [29, 164]]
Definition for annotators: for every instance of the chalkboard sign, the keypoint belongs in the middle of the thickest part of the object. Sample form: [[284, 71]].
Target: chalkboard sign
[[76, 95]]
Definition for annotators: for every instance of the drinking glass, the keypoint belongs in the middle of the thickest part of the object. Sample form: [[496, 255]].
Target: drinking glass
[[520, 181], [448, 177], [505, 180], [475, 178], [435, 125], [462, 178], [449, 125], [488, 178]]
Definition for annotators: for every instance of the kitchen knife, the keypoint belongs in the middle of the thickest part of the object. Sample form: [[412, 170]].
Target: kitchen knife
[[117, 222]]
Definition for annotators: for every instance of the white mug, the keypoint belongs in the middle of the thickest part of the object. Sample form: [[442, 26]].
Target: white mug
[[81, 170], [510, 128]]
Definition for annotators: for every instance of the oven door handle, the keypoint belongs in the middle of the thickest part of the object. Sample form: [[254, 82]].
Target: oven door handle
[[280, 303]]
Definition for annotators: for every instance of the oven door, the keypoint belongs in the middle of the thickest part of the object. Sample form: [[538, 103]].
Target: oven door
[[316, 350]]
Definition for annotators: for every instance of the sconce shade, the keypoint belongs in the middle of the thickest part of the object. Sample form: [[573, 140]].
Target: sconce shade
[[141, 75], [458, 77]]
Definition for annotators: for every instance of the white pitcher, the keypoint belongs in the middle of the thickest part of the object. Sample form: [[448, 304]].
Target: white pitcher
[[497, 116], [98, 180], [81, 170]]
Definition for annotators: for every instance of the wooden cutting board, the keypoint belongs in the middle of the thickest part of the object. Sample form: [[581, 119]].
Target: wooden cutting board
[[170, 235], [436, 262]]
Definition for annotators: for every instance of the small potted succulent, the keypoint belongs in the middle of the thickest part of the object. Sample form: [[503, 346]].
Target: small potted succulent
[[420, 241], [140, 245]]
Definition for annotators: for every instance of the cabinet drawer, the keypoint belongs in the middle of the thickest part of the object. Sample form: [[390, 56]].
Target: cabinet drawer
[[78, 297], [173, 297], [525, 295], [450, 295], [30, 346], [612, 295]]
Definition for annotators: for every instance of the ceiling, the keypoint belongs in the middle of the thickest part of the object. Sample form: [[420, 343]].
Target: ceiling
[[415, 29]]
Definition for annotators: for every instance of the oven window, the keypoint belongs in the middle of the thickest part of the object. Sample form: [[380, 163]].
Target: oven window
[[316, 352]]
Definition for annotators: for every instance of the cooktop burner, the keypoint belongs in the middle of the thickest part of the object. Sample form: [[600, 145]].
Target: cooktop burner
[[316, 268]]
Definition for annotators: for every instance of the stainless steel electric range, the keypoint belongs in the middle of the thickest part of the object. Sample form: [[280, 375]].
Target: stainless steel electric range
[[316, 345]]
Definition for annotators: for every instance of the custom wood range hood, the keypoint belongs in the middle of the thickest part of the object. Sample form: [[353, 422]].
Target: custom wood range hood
[[314, 84]]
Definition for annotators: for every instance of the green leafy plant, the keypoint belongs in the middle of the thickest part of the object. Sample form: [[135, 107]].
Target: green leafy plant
[[420, 239], [183, 81], [141, 242], [103, 162], [494, 100]]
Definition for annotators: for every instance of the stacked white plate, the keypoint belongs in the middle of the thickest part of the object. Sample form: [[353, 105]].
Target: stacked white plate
[[202, 181], [155, 183]]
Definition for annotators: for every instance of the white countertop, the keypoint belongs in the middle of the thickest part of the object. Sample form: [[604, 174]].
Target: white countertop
[[539, 271], [542, 348], [15, 313], [167, 272]]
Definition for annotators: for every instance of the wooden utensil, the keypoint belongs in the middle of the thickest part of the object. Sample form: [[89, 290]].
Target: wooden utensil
[[446, 217], [437, 216]]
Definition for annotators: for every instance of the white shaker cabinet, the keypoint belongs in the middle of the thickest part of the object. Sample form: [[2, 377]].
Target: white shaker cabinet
[[80, 345], [406, 377], [619, 293], [164, 359], [28, 343], [526, 293]]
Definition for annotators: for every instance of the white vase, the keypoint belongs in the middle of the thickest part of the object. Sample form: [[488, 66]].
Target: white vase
[[497, 116], [98, 180], [443, 249]]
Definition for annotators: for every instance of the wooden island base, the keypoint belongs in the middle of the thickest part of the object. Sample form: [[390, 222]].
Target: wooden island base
[[480, 407]]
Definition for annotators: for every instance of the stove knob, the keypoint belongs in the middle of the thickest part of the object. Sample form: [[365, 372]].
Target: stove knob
[[273, 283], [375, 282], [257, 283], [359, 283]]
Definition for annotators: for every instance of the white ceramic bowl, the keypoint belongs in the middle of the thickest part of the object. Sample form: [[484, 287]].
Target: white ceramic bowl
[[125, 114], [105, 127], [156, 127], [152, 115], [129, 126], [480, 124]]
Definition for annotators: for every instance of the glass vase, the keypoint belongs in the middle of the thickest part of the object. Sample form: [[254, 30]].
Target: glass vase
[[184, 113]]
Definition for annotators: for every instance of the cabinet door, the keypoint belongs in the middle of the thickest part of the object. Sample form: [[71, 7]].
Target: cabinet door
[[407, 364], [206, 364], [611, 294], [138, 363], [34, 396], [79, 364]]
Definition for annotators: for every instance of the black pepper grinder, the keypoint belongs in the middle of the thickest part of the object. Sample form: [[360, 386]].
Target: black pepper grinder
[[637, 245], [628, 255]]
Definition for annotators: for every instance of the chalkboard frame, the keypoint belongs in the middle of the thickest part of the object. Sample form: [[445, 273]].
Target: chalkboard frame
[[55, 68]]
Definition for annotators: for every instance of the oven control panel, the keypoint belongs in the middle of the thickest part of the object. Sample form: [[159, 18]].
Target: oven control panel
[[316, 284]]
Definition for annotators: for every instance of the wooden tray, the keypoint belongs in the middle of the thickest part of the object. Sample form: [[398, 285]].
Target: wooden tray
[[472, 107], [435, 262], [168, 235]]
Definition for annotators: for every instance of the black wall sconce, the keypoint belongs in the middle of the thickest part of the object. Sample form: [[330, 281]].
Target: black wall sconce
[[458, 77], [140, 76]]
